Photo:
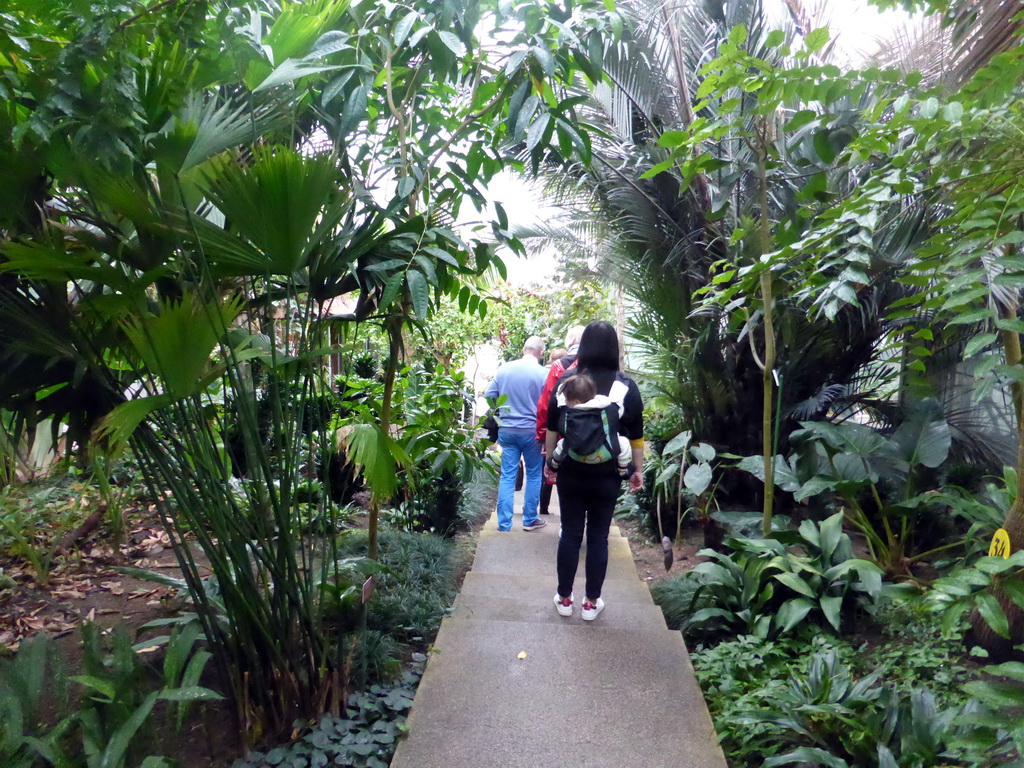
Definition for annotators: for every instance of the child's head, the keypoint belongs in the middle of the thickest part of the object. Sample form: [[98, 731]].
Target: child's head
[[579, 389]]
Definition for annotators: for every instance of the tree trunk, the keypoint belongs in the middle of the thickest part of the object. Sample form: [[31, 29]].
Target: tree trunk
[[768, 369], [394, 327], [982, 634]]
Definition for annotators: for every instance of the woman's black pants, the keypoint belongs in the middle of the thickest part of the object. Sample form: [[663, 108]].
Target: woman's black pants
[[587, 502]]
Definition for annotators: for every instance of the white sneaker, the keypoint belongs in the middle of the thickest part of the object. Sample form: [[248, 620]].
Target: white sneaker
[[592, 610], [563, 605]]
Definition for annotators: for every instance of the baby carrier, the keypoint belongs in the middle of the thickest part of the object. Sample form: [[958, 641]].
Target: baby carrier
[[591, 434]]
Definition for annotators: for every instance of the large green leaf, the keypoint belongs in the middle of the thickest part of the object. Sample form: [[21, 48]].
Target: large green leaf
[[807, 756], [831, 534], [924, 437], [784, 474], [120, 424], [697, 478], [376, 454], [677, 444], [117, 747], [813, 487], [282, 203], [831, 606], [990, 610], [291, 70], [175, 343], [850, 437], [792, 612], [794, 582], [703, 452], [419, 291]]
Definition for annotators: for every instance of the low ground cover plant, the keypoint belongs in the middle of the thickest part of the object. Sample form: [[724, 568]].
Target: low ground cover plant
[[364, 737], [417, 586], [906, 689]]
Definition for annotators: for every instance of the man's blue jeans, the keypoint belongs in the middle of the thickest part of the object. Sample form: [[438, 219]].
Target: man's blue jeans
[[515, 443]]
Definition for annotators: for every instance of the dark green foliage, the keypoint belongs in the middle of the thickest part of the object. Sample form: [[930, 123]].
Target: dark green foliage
[[772, 585], [365, 365], [1001, 692], [365, 737], [105, 716], [443, 447], [748, 672], [24, 680], [377, 656], [833, 719], [825, 701], [418, 588], [675, 597], [478, 499], [915, 651]]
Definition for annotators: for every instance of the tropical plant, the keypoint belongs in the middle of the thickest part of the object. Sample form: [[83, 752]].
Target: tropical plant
[[975, 588], [672, 477], [416, 590], [103, 714], [181, 216], [1001, 692], [770, 586], [836, 720], [439, 436], [24, 741], [915, 650], [115, 718], [851, 459], [745, 673], [683, 189], [958, 153]]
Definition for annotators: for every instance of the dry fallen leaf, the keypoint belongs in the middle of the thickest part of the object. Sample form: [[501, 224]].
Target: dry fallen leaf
[[69, 594], [114, 587]]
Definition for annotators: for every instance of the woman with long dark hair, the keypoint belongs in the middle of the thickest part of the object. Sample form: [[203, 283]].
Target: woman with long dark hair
[[587, 492]]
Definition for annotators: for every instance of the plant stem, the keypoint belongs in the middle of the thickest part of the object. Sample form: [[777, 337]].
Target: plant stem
[[767, 370], [394, 330]]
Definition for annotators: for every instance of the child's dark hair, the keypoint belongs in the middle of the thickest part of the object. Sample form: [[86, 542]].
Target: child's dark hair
[[579, 388]]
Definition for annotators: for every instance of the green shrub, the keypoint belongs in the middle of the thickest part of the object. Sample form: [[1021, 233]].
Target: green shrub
[[675, 597], [917, 651], [478, 498], [107, 714], [418, 588], [771, 586], [377, 656], [830, 718], [749, 673]]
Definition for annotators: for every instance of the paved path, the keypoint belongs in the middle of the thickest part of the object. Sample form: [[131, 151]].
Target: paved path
[[617, 692]]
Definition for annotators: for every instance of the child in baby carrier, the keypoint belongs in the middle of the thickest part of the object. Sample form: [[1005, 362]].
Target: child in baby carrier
[[589, 428]]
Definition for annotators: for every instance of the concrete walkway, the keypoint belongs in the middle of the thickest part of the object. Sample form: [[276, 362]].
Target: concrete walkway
[[617, 692]]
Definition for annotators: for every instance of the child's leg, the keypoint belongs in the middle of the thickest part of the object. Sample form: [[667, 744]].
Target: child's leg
[[624, 457], [557, 455]]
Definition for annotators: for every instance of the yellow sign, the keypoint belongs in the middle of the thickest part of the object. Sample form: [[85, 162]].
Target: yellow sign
[[1000, 546]]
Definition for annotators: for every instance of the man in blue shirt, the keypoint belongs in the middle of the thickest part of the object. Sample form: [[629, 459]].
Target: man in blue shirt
[[522, 381]]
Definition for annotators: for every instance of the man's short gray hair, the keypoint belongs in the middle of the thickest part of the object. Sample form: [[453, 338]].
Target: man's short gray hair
[[534, 344], [573, 335]]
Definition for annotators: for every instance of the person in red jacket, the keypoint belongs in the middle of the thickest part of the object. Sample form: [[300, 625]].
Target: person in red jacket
[[555, 371]]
